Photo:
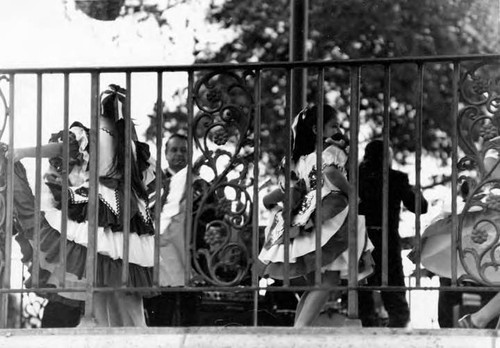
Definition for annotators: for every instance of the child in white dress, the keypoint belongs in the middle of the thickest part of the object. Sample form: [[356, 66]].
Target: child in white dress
[[303, 229], [110, 308]]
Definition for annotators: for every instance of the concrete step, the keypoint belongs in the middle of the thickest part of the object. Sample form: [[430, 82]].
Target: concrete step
[[247, 337]]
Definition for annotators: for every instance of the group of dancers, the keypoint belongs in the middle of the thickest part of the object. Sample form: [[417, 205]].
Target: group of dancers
[[126, 308]]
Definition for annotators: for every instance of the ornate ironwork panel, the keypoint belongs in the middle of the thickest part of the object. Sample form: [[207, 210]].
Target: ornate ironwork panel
[[479, 138], [223, 133], [4, 114], [28, 306]]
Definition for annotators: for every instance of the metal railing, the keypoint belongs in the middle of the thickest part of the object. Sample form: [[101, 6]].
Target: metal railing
[[224, 117]]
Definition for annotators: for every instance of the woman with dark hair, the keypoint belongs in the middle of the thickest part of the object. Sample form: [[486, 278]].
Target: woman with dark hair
[[110, 308], [303, 230], [370, 194]]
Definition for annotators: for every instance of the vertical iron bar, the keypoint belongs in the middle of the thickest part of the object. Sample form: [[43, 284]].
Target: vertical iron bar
[[288, 153], [9, 210], [352, 305], [418, 166], [454, 179], [127, 182], [189, 232], [385, 175], [159, 178], [255, 208], [93, 204], [319, 173], [38, 184], [64, 193]]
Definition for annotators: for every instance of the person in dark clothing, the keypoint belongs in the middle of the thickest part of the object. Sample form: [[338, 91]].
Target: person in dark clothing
[[370, 193]]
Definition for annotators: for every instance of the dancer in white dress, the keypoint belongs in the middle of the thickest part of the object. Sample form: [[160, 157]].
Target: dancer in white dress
[[334, 212], [110, 308]]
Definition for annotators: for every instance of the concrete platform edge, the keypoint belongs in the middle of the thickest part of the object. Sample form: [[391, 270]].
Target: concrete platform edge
[[246, 337]]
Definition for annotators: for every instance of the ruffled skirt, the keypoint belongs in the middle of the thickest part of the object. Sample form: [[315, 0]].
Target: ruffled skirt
[[302, 247], [109, 261], [479, 256]]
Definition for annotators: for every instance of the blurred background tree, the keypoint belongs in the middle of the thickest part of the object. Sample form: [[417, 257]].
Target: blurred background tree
[[350, 29], [353, 29]]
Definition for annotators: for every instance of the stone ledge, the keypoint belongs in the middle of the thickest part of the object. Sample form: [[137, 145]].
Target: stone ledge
[[247, 337]]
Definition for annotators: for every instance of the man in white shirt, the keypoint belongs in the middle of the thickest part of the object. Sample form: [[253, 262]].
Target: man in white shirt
[[173, 308]]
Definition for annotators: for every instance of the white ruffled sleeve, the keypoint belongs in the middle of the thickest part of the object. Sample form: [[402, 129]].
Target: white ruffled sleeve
[[333, 155]]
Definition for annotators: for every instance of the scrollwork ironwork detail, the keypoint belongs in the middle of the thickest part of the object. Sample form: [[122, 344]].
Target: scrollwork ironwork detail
[[5, 114], [479, 221], [222, 206]]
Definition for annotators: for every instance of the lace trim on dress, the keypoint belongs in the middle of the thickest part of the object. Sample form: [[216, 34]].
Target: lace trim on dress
[[77, 198], [73, 197], [144, 211]]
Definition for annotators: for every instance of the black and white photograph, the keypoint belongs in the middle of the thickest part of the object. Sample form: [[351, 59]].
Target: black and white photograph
[[238, 173]]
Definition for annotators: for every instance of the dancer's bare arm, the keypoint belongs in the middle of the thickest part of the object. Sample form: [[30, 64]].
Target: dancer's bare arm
[[337, 178], [47, 151]]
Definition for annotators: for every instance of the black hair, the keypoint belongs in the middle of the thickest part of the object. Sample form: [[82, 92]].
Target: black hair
[[115, 97], [305, 137], [373, 158], [374, 151], [110, 101], [173, 136]]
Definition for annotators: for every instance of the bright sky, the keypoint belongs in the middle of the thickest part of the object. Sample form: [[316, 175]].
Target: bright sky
[[52, 33]]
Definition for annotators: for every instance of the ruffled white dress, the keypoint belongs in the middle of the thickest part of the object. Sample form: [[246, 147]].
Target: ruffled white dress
[[334, 229]]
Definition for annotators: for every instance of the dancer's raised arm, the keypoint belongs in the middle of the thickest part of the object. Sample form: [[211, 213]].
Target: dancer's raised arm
[[47, 151]]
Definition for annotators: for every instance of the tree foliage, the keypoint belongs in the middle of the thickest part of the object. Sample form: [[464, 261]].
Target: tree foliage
[[345, 29]]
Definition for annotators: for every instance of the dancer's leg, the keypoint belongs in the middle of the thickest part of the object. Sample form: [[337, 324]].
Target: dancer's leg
[[123, 309], [101, 309], [115, 313], [487, 313], [313, 302], [306, 280], [300, 305], [131, 309]]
